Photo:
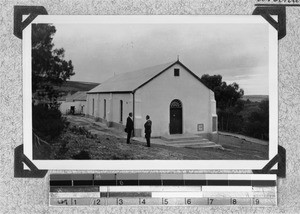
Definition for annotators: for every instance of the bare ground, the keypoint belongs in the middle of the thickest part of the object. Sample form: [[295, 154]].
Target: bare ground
[[100, 143]]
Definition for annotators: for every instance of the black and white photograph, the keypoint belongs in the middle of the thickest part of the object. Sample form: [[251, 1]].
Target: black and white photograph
[[141, 92]]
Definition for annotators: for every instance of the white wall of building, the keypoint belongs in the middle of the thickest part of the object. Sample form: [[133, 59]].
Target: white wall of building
[[90, 108], [113, 107], [127, 107], [154, 99], [80, 107]]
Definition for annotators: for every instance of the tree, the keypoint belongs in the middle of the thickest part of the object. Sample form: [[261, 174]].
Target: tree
[[211, 81], [49, 69], [226, 95], [47, 123], [228, 102], [258, 122]]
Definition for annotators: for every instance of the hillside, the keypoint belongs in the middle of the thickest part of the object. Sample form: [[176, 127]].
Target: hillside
[[255, 98], [74, 86]]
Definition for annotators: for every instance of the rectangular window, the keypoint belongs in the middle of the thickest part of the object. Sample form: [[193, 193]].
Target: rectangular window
[[214, 123], [99, 107], [93, 107], [121, 111], [176, 72], [104, 109]]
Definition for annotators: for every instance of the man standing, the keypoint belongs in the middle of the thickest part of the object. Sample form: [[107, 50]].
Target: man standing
[[129, 127], [147, 126]]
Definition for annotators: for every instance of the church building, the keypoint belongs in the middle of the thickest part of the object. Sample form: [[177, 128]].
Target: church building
[[171, 94]]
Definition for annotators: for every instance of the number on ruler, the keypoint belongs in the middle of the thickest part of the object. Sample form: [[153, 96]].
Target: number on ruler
[[97, 202], [210, 201], [63, 201], [74, 202], [256, 201], [234, 201], [188, 201], [165, 201], [120, 201], [143, 201], [121, 182]]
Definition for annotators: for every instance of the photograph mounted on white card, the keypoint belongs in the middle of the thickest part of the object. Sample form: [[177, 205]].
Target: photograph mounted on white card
[[150, 92]]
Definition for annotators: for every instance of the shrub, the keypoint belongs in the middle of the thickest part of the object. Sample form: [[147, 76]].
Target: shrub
[[258, 125], [230, 121], [82, 131], [82, 155], [47, 122]]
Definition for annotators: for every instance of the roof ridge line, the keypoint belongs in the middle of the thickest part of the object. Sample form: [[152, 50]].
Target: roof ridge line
[[113, 84]]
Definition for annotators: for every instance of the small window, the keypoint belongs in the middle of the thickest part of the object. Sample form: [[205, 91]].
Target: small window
[[214, 123], [176, 72]]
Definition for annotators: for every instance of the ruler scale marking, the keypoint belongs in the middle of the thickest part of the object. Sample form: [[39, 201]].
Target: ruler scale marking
[[162, 189]]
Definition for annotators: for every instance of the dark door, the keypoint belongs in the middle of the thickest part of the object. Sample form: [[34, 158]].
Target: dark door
[[72, 110], [175, 117]]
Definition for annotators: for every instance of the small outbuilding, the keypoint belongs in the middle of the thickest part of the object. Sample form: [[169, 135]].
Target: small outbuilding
[[171, 94], [73, 103]]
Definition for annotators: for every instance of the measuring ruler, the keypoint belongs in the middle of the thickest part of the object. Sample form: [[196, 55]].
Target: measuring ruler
[[162, 189]]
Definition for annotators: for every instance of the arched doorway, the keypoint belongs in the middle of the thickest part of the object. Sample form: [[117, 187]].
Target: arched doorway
[[176, 117]]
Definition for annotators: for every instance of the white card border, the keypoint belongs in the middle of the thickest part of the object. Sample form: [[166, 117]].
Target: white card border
[[150, 164]]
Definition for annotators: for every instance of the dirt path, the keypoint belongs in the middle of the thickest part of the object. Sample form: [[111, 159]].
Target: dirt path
[[110, 144], [95, 127]]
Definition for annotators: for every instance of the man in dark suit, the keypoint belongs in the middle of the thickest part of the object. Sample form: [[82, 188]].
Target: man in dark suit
[[129, 127], [147, 127]]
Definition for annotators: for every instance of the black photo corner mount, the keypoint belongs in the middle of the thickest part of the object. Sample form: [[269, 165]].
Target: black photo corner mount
[[19, 11], [267, 11], [280, 158], [19, 26], [20, 172], [34, 11]]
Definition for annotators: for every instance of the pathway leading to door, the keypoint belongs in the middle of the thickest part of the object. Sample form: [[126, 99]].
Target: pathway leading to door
[[177, 140], [115, 147], [183, 141]]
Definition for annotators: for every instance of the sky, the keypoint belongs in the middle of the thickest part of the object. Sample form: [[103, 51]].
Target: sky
[[238, 52]]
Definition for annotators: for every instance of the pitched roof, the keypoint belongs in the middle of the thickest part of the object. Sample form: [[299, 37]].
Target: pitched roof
[[62, 98], [128, 82], [78, 96], [131, 81]]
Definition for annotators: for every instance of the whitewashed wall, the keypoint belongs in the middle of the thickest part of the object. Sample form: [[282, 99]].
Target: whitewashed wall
[[112, 106], [155, 97], [66, 106], [90, 98], [127, 107]]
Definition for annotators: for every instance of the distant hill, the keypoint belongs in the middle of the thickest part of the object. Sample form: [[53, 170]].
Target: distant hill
[[255, 98], [74, 86]]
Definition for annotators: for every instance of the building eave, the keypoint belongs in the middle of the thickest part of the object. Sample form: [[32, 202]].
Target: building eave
[[198, 78], [113, 92], [177, 62], [155, 76], [152, 78]]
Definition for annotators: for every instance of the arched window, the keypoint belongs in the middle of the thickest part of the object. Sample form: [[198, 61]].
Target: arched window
[[176, 104]]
